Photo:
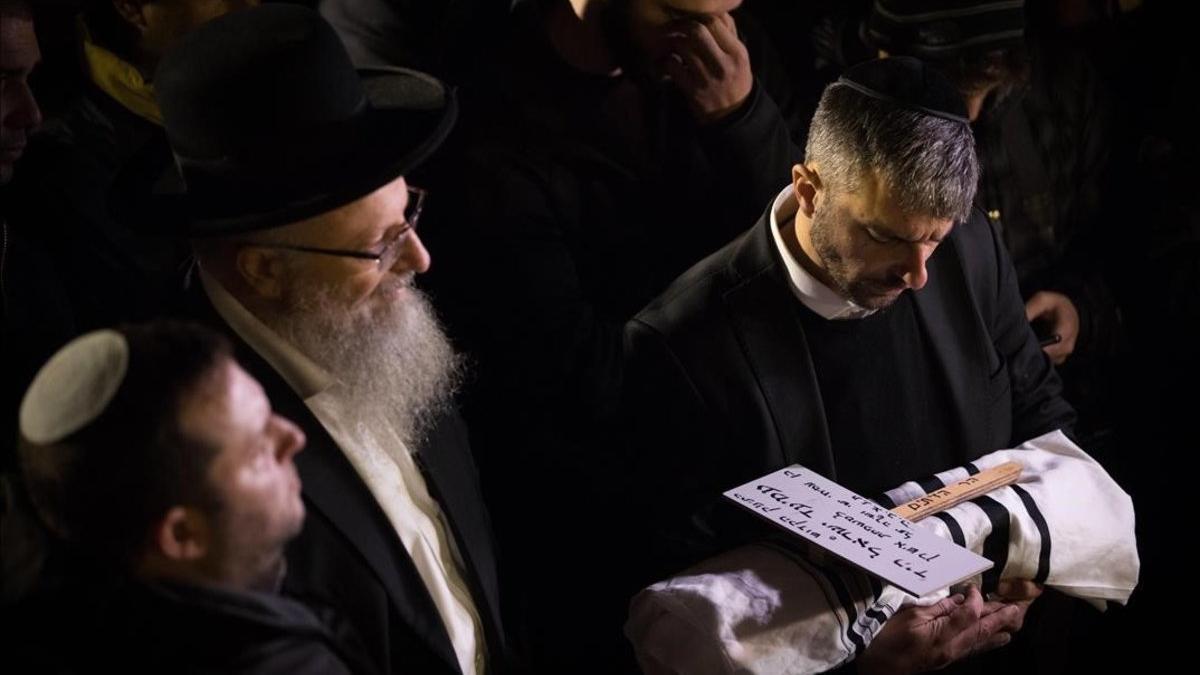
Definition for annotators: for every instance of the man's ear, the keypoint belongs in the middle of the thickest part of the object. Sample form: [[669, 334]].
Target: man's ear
[[183, 535], [262, 270], [806, 182], [131, 12]]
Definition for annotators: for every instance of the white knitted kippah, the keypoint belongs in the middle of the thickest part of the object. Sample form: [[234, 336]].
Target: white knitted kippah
[[74, 387]]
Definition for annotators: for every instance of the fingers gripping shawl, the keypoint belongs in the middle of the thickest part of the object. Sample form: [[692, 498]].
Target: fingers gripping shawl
[[764, 609]]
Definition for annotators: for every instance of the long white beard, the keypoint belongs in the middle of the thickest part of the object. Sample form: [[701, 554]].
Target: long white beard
[[390, 355]]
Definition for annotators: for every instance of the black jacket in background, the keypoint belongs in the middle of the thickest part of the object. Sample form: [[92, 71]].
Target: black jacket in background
[[130, 626], [69, 264], [1044, 151], [554, 218]]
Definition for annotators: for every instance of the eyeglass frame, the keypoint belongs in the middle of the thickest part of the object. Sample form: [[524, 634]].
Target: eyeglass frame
[[416, 202]]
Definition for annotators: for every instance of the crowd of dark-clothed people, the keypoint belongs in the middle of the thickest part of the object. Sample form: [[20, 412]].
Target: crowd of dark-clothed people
[[390, 336]]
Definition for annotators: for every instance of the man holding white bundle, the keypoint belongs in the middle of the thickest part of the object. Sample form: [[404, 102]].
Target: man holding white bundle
[[869, 328], [810, 617]]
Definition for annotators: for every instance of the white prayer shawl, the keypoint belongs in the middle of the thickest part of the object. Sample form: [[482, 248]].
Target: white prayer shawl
[[767, 610]]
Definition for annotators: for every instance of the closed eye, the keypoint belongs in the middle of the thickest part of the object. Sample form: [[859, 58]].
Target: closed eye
[[878, 236], [391, 238]]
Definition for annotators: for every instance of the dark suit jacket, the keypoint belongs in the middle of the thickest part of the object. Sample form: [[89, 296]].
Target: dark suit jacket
[[720, 386], [111, 623], [447, 39], [69, 264], [348, 559]]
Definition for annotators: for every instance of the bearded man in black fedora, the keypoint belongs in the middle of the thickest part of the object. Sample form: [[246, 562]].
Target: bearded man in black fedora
[[292, 168]]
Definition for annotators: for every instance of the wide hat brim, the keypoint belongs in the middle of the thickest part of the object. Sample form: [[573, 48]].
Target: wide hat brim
[[409, 115]]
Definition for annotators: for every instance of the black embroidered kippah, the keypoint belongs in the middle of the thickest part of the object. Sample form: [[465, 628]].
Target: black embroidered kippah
[[906, 82]]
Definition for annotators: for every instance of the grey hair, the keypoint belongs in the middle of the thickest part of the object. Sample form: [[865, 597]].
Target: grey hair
[[927, 163]]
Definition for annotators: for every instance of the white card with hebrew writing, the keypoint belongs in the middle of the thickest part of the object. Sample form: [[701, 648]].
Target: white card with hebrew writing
[[858, 531]]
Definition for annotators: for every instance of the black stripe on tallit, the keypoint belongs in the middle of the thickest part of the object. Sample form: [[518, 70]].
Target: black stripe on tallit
[[995, 547], [1043, 568], [843, 595], [956, 531], [834, 582], [931, 484]]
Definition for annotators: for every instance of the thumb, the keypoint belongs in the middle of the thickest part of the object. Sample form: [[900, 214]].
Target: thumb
[[944, 607], [1038, 305]]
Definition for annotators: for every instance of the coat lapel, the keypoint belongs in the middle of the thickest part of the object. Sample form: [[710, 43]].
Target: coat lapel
[[446, 463], [333, 488], [763, 313]]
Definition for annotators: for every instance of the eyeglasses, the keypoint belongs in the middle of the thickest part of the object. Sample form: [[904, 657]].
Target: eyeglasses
[[390, 252]]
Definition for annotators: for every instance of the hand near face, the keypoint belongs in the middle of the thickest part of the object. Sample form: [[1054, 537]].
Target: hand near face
[[918, 639], [709, 64], [1059, 312]]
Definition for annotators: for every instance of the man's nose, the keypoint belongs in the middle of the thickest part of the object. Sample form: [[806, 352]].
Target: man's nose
[[414, 257], [912, 267]]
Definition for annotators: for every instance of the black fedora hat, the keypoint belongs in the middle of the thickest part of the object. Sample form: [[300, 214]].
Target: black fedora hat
[[270, 123]]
